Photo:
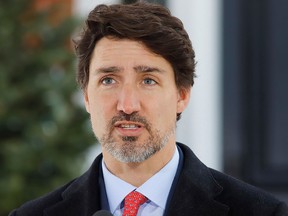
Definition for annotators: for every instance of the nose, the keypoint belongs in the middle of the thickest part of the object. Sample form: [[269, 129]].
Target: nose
[[128, 100]]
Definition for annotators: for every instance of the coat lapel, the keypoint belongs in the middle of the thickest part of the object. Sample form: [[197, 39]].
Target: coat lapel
[[196, 190], [82, 197]]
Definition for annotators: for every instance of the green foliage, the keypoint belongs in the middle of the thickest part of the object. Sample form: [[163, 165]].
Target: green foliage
[[44, 129]]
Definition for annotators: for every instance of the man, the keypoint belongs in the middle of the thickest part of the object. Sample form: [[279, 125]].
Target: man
[[136, 70]]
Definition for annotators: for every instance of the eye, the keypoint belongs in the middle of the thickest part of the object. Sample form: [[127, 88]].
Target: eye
[[149, 81], [108, 81]]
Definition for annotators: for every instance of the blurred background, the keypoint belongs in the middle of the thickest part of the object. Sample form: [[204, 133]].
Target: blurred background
[[236, 122]]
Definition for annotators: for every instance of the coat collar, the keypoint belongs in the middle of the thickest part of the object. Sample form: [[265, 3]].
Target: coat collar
[[196, 191], [82, 197]]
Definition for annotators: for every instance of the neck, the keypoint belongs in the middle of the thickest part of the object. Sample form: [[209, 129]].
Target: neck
[[138, 173]]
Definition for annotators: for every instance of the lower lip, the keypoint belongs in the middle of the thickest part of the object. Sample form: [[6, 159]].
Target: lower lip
[[129, 132]]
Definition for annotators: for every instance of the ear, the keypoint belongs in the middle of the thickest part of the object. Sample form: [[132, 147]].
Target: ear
[[183, 99], [86, 100]]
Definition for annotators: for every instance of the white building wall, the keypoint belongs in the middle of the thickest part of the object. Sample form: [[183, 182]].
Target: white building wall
[[83, 7], [201, 126]]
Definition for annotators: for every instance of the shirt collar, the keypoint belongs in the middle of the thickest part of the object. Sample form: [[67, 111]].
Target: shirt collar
[[156, 189]]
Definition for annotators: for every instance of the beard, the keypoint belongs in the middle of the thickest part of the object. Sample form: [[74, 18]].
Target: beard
[[130, 149]]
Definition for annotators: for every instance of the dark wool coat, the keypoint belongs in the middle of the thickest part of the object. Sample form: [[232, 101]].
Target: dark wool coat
[[196, 191]]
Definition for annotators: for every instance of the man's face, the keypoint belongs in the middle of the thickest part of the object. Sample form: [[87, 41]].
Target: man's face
[[132, 99]]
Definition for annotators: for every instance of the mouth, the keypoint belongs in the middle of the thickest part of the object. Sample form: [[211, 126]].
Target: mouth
[[127, 128], [128, 125]]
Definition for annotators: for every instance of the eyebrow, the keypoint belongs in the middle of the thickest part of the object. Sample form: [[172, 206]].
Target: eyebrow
[[144, 68], [139, 69], [108, 69]]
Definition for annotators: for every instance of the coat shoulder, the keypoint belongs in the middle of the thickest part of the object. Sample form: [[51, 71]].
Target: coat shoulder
[[252, 200], [35, 207]]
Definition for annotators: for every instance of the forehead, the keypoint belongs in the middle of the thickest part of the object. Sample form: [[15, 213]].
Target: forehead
[[106, 44], [125, 52]]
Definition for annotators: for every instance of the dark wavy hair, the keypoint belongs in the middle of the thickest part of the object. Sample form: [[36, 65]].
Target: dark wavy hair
[[149, 23]]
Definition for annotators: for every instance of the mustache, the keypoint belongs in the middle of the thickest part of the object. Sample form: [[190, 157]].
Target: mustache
[[134, 117]]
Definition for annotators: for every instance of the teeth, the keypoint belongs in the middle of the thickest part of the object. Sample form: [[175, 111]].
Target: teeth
[[128, 126]]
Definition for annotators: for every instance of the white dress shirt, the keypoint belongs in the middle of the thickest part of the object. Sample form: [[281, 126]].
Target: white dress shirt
[[156, 189]]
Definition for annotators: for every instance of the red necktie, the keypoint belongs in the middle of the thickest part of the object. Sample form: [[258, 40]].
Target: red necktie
[[132, 203]]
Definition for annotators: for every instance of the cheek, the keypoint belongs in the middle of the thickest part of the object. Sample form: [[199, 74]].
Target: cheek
[[165, 109], [101, 112], [100, 104], [96, 120]]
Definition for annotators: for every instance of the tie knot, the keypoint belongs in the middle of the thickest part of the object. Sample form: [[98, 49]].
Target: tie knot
[[136, 197], [132, 203]]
